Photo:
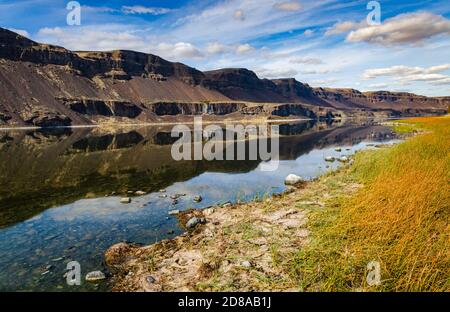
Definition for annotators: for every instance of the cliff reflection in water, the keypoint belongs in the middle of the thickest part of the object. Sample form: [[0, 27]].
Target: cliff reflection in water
[[42, 169]]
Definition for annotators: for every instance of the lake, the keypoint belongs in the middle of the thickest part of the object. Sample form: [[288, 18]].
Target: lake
[[61, 189]]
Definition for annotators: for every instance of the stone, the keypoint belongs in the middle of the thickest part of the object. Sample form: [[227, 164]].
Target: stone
[[246, 264], [343, 159], [163, 196], [292, 179], [330, 158], [338, 149], [174, 212], [125, 200], [175, 201], [140, 193], [150, 279], [192, 222], [162, 190], [198, 198], [95, 276]]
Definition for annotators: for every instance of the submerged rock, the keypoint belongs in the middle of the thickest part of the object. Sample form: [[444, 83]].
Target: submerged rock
[[292, 179], [95, 276], [330, 158], [198, 198]]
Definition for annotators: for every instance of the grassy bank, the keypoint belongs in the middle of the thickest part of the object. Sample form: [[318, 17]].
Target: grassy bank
[[390, 206], [400, 218]]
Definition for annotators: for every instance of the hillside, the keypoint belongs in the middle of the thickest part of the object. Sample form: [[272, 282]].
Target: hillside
[[46, 85]]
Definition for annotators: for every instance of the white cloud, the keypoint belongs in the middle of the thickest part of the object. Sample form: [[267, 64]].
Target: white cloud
[[239, 15], [404, 28], [139, 9], [324, 82], [276, 73], [315, 71], [401, 70], [305, 60], [343, 27], [308, 32], [378, 86], [404, 75], [216, 48], [103, 9], [105, 38], [21, 32], [244, 48], [291, 6], [179, 50]]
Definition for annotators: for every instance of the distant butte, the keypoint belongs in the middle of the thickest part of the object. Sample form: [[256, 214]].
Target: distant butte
[[45, 85]]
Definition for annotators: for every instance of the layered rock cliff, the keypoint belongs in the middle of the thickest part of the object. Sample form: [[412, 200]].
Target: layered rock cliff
[[46, 85]]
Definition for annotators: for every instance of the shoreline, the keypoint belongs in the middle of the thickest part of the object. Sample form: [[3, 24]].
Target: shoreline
[[272, 244], [118, 124]]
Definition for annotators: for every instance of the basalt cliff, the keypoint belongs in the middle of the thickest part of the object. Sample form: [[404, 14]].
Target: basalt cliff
[[45, 85]]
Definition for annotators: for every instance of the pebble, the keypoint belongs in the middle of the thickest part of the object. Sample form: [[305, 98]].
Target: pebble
[[198, 198], [95, 276], [150, 279], [292, 179], [192, 222], [140, 193], [174, 212], [246, 264], [125, 200]]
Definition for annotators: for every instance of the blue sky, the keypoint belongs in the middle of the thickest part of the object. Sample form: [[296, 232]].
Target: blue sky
[[323, 43]]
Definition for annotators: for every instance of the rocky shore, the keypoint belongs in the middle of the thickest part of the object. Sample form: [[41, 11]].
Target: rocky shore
[[233, 247]]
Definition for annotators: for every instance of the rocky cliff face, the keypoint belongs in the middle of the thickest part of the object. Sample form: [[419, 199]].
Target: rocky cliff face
[[46, 85]]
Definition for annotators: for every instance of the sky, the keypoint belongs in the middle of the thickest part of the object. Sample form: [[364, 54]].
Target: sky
[[323, 43]]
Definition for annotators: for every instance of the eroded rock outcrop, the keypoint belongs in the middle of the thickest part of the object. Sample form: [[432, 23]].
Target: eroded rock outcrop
[[47, 85]]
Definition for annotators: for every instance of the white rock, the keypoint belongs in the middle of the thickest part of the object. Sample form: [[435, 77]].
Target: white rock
[[246, 264], [292, 179], [174, 212], [338, 149], [140, 193], [343, 159], [95, 276], [330, 158], [125, 200]]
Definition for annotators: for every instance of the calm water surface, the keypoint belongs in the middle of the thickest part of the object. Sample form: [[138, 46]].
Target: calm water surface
[[56, 204]]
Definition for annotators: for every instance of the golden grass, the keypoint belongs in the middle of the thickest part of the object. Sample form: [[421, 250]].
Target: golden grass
[[400, 218]]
